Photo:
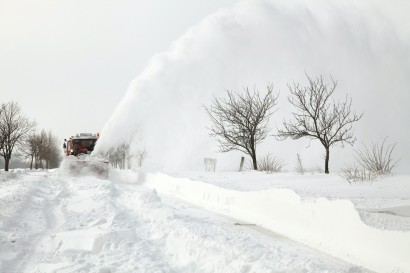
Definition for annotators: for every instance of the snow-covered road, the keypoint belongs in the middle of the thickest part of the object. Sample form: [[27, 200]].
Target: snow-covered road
[[53, 224]]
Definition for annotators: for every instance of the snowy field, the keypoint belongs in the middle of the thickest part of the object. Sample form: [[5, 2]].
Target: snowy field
[[158, 223]]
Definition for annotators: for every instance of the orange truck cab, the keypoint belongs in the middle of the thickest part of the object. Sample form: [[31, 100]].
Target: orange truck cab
[[83, 143]]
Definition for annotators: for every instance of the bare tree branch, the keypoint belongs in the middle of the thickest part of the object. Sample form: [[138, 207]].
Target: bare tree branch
[[240, 121], [319, 117], [14, 127]]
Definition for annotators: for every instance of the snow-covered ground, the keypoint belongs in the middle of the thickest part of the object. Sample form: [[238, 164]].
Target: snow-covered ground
[[366, 224], [384, 203], [136, 222]]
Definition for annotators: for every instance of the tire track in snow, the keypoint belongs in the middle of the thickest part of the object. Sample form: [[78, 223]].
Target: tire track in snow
[[33, 221]]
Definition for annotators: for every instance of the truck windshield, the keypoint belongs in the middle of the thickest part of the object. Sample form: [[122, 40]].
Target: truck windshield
[[84, 145]]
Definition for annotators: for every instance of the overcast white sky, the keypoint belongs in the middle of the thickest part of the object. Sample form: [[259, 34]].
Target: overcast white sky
[[69, 63]]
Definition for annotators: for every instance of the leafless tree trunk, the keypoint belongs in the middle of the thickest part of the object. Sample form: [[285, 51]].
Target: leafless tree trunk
[[14, 126], [1, 130], [240, 121], [319, 117]]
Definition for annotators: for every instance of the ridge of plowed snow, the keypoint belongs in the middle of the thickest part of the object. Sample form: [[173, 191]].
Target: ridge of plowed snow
[[333, 226]]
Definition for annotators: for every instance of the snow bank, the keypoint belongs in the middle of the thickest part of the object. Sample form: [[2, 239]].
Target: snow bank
[[193, 240], [331, 226], [383, 204]]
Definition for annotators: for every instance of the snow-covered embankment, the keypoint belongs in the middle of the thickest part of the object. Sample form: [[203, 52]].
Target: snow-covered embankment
[[333, 226]]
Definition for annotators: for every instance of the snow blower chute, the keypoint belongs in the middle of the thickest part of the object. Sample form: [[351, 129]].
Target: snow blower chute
[[79, 158]]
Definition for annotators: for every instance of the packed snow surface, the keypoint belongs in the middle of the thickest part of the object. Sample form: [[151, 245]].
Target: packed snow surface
[[51, 223]]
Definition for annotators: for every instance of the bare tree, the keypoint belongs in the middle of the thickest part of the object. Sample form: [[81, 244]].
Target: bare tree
[[14, 126], [31, 148], [240, 121], [51, 152], [1, 126], [141, 155], [44, 150], [319, 117]]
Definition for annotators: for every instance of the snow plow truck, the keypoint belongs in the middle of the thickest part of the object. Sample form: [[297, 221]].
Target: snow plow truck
[[79, 158]]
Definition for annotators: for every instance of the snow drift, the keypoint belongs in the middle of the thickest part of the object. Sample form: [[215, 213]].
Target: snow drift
[[333, 226], [364, 45]]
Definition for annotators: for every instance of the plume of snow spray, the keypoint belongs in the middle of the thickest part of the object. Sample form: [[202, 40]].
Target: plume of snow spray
[[365, 46]]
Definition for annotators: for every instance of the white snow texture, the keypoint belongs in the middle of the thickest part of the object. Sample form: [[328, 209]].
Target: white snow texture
[[333, 226], [57, 224]]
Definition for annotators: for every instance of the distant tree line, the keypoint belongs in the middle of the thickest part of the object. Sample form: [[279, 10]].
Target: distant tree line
[[19, 140], [241, 122], [42, 150], [121, 156]]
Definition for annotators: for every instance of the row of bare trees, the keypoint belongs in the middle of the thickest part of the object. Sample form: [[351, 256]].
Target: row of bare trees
[[121, 156], [19, 140], [241, 120], [43, 150]]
